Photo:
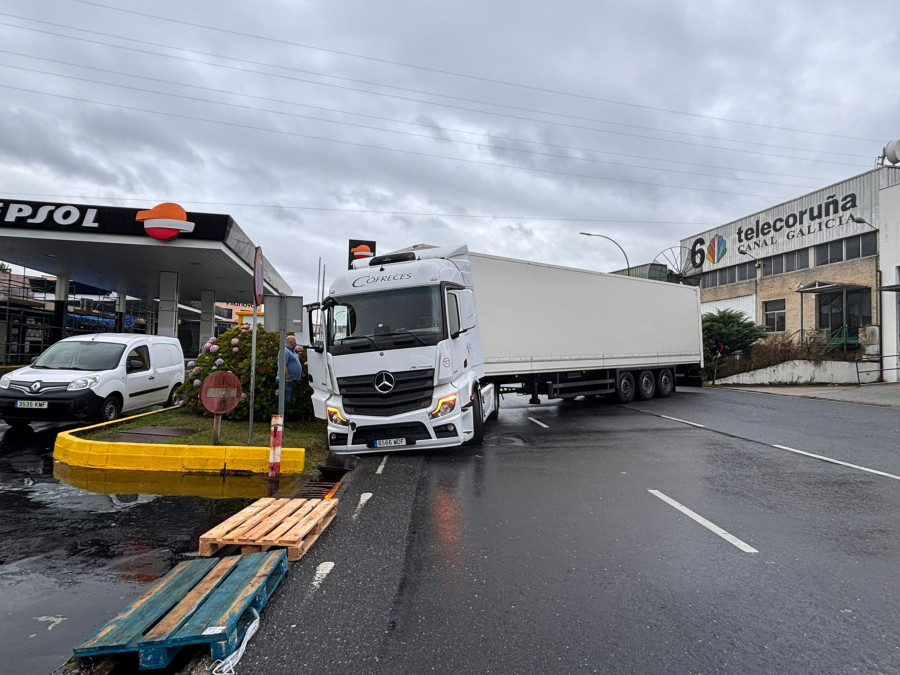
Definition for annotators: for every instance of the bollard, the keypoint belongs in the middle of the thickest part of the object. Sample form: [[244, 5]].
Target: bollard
[[277, 431]]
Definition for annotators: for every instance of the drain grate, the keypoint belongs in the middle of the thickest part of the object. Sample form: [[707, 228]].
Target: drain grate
[[318, 490]]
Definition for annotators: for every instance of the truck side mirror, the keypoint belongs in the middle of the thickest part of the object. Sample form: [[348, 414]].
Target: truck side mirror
[[467, 316], [318, 346]]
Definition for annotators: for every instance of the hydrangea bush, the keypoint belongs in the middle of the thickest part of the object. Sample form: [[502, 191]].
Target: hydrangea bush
[[231, 351]]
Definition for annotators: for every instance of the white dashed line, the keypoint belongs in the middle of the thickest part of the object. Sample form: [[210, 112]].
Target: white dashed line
[[539, 423], [712, 527], [837, 461], [381, 466], [675, 419], [363, 498]]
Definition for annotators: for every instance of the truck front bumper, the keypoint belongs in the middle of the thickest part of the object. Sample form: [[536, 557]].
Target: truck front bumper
[[401, 432]]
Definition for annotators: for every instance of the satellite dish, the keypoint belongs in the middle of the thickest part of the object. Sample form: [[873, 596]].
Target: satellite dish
[[892, 152], [674, 265]]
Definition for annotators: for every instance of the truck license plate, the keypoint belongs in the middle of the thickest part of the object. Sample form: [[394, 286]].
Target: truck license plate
[[31, 404], [390, 442]]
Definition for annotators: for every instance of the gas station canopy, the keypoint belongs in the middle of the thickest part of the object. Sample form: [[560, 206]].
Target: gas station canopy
[[125, 250]]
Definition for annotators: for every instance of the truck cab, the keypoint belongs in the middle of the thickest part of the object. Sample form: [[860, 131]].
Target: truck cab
[[399, 360]]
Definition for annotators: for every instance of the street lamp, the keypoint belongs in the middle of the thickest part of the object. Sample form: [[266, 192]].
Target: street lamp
[[744, 251], [860, 220], [627, 264]]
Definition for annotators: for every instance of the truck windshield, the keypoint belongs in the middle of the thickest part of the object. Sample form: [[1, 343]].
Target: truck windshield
[[386, 320], [81, 356]]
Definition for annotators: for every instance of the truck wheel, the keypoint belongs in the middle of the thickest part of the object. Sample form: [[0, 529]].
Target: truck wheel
[[477, 420], [646, 385], [665, 383], [625, 387], [496, 412], [110, 409]]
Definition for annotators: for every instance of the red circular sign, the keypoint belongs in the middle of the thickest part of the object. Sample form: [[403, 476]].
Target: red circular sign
[[221, 392]]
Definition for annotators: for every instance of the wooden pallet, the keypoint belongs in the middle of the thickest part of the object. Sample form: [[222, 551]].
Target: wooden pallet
[[294, 524], [203, 601]]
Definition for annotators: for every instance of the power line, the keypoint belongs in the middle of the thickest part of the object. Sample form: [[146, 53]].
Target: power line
[[378, 147], [404, 98], [469, 76], [394, 131], [149, 200]]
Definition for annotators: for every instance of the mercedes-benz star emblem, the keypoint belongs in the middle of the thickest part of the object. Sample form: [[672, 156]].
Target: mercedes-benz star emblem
[[36, 387], [384, 382]]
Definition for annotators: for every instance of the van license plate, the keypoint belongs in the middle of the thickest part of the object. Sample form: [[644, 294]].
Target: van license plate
[[31, 404], [390, 442]]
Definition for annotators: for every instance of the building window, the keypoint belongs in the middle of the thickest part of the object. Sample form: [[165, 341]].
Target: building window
[[835, 251], [774, 311], [868, 244], [852, 248], [745, 271], [803, 259], [831, 312]]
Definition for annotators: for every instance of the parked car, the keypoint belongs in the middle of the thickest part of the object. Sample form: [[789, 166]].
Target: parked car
[[93, 377]]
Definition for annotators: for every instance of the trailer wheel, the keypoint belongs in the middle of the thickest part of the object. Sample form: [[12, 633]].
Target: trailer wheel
[[477, 419], [646, 385], [625, 387], [665, 383], [496, 411]]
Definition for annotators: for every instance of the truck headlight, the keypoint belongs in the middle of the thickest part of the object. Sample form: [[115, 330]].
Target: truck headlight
[[4, 381], [83, 383], [335, 417], [445, 406]]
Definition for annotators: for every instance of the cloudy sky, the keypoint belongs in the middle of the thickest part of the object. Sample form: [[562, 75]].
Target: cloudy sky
[[508, 126]]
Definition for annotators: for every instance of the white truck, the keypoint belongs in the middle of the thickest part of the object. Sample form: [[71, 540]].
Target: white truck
[[404, 359]]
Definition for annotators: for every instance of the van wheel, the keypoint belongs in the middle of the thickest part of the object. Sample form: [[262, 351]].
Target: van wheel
[[110, 409], [665, 383], [174, 399], [646, 385], [477, 420], [625, 387]]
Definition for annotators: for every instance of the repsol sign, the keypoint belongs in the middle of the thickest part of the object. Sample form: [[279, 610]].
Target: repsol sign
[[382, 278], [60, 214], [831, 213]]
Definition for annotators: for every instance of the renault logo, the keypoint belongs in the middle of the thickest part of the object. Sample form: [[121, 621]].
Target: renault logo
[[384, 382], [36, 387]]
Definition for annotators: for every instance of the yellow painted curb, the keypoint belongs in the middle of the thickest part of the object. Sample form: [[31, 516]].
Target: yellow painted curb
[[96, 454]]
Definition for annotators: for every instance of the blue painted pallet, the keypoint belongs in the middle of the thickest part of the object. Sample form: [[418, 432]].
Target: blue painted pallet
[[201, 601]]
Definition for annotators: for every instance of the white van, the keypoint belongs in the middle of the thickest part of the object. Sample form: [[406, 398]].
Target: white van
[[93, 377]]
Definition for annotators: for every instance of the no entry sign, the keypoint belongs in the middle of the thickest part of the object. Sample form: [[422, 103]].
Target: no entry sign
[[221, 392]]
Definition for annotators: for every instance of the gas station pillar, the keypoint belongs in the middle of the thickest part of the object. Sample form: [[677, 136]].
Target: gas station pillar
[[207, 315], [167, 313]]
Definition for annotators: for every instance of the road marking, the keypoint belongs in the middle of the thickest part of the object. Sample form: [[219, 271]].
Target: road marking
[[381, 466], [363, 498], [675, 419], [836, 461], [539, 423], [322, 571], [712, 527]]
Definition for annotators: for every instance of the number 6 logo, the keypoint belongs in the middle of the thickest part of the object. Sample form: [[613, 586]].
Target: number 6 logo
[[697, 252]]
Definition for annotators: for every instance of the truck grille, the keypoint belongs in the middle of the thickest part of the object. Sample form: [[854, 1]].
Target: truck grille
[[412, 390]]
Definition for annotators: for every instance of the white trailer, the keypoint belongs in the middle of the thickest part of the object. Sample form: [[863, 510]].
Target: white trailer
[[410, 357]]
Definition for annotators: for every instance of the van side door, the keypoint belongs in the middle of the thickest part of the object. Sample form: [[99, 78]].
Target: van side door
[[142, 387]]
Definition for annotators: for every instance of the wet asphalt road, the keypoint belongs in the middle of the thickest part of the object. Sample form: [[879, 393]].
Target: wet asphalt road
[[542, 551]]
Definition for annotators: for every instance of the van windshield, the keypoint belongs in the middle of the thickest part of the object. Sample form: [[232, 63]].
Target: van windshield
[[392, 319], [81, 356]]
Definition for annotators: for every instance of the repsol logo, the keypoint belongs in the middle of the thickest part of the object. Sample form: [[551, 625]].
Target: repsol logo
[[365, 281], [13, 212]]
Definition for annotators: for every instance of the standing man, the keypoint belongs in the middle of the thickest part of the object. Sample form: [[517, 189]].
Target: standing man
[[293, 370]]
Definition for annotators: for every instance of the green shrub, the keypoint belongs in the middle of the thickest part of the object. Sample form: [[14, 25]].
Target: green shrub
[[232, 351]]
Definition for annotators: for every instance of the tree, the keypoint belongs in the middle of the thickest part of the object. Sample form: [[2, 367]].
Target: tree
[[733, 330]]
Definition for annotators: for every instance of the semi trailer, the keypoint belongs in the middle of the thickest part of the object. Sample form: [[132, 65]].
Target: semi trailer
[[416, 347]]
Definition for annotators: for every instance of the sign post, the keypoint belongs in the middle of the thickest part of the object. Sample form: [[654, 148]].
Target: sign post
[[220, 393], [257, 301]]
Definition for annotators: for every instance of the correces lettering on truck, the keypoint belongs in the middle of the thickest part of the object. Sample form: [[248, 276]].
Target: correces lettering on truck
[[365, 281]]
